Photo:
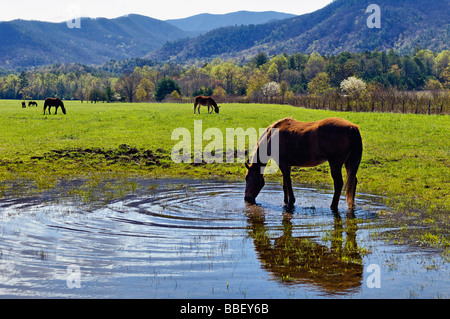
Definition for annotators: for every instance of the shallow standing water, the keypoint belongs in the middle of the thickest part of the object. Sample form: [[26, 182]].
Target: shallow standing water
[[193, 239]]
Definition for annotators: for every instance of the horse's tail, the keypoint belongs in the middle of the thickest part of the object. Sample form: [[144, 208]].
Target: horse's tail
[[352, 165]]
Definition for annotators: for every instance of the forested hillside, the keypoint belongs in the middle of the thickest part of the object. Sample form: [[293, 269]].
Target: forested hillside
[[340, 26], [36, 43]]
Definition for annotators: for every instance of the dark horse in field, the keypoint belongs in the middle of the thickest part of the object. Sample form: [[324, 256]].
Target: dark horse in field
[[206, 101], [32, 103], [55, 102], [308, 144]]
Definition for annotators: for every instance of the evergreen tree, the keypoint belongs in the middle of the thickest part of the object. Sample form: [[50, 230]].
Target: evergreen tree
[[165, 87]]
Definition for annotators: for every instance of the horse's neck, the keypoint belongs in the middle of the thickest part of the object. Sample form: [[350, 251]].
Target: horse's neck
[[263, 149], [256, 160]]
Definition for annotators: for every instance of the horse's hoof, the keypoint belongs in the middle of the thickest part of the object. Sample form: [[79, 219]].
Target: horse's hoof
[[289, 208], [249, 200]]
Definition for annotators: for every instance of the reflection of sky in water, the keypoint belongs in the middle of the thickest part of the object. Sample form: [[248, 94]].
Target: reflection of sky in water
[[199, 240]]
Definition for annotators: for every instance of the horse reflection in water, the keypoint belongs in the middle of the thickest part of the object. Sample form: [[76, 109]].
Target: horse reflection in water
[[293, 260]]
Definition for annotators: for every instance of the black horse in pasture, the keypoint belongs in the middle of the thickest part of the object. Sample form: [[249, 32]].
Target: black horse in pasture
[[55, 102], [32, 103]]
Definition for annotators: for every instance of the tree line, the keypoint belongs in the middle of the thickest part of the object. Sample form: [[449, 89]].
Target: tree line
[[261, 78]]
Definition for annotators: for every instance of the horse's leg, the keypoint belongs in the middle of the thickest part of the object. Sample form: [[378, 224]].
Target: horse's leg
[[285, 190], [352, 181], [195, 107], [336, 173], [289, 198]]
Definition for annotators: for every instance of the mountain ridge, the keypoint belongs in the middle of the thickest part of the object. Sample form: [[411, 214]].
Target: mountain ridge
[[338, 27], [31, 43], [36, 43], [205, 22]]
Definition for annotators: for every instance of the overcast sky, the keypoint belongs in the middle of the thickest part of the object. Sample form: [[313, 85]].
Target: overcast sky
[[62, 10]]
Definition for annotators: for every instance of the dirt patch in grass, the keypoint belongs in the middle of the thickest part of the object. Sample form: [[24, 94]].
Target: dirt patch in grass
[[123, 154]]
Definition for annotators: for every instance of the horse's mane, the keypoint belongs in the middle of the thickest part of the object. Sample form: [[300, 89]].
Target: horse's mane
[[266, 138]]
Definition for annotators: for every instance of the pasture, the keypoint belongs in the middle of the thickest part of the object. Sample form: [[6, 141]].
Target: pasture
[[112, 164]]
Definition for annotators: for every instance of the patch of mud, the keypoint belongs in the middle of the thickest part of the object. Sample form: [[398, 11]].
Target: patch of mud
[[123, 154]]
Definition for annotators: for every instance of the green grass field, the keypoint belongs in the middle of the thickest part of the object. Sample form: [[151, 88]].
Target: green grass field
[[406, 156]]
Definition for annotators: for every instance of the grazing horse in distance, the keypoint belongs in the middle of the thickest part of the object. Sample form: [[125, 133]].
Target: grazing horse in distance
[[55, 102], [308, 144], [32, 103], [24, 106], [206, 101]]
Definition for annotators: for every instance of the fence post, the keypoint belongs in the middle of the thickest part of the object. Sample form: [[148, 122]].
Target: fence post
[[403, 107], [429, 107]]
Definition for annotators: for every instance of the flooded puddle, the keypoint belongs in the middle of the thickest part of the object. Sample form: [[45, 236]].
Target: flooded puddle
[[198, 239]]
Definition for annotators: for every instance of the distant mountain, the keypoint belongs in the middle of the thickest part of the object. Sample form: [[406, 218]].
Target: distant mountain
[[36, 43], [206, 22], [340, 26]]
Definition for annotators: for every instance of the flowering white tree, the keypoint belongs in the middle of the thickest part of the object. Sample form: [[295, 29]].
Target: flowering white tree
[[354, 87], [271, 89]]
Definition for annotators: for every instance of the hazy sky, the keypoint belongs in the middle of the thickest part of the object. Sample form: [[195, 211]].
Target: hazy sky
[[62, 10]]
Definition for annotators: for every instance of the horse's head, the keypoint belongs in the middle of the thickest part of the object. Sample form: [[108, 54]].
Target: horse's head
[[254, 183], [216, 108], [62, 107]]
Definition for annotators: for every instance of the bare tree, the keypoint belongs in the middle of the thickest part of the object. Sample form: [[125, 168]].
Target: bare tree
[[128, 85]]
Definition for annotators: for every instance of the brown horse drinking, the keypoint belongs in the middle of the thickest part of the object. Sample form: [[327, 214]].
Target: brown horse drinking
[[206, 101], [55, 102], [308, 144]]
